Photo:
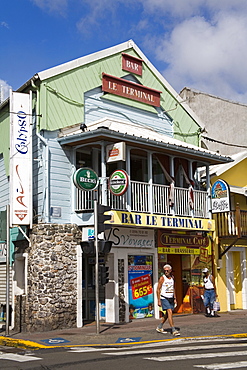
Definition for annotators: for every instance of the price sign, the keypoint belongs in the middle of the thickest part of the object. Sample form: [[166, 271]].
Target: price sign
[[141, 286]]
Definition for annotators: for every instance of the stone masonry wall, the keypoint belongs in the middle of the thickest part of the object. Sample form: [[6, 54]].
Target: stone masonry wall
[[51, 302]]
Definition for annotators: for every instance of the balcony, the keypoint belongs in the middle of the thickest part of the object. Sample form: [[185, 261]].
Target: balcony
[[149, 198], [232, 224]]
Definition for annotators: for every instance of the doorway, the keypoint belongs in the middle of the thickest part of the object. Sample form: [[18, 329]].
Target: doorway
[[88, 290]]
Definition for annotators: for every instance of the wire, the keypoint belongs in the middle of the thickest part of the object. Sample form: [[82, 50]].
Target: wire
[[222, 142], [49, 88]]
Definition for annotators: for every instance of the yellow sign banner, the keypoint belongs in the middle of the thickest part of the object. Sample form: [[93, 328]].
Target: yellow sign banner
[[160, 221]]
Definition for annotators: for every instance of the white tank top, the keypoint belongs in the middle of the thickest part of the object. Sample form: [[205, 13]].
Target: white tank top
[[167, 289], [208, 283]]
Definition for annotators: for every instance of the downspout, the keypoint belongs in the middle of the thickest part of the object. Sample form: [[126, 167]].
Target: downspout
[[46, 194]]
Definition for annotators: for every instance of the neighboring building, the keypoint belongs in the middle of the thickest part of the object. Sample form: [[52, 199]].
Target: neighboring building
[[231, 230], [225, 121], [113, 97]]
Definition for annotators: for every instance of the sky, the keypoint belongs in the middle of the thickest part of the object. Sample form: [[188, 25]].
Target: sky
[[200, 44]]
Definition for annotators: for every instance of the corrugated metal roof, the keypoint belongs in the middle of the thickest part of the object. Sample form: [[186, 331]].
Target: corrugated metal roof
[[221, 168], [139, 133]]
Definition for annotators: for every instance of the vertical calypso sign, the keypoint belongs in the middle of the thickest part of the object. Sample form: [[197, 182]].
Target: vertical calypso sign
[[220, 195], [20, 159]]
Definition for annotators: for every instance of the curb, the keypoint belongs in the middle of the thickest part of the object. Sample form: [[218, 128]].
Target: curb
[[26, 344]]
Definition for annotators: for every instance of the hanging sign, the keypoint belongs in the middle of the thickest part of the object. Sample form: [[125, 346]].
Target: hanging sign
[[132, 64], [220, 195], [130, 90], [118, 182], [115, 152], [183, 242], [21, 210], [86, 179]]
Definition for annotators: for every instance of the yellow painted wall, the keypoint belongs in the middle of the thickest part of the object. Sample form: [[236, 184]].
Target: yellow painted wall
[[220, 283], [237, 280], [237, 175]]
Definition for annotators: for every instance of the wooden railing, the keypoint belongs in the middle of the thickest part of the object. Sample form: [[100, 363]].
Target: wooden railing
[[232, 224], [154, 198]]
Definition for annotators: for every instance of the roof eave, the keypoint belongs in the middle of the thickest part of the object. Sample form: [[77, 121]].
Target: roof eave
[[209, 158]]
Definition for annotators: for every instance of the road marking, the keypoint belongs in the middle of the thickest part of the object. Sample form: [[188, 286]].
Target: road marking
[[151, 345], [196, 356], [228, 365], [178, 349], [18, 358]]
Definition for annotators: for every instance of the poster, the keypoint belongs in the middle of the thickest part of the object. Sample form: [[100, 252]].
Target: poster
[[140, 281]]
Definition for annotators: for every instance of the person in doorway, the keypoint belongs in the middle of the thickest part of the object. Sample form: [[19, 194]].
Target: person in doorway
[[166, 300], [209, 293]]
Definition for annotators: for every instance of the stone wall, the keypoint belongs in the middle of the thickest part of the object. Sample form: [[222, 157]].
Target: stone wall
[[51, 302], [121, 295]]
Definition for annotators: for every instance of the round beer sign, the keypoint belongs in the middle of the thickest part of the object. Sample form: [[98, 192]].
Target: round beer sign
[[86, 179], [118, 182]]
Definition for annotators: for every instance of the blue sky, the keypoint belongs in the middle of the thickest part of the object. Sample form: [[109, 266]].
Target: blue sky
[[195, 43]]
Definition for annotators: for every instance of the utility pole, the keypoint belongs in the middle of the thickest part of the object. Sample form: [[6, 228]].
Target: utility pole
[[96, 261], [7, 275]]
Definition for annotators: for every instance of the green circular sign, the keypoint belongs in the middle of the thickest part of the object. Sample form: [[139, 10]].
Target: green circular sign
[[86, 179], [118, 182]]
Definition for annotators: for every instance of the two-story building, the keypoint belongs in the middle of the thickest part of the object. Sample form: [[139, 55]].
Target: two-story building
[[114, 113]]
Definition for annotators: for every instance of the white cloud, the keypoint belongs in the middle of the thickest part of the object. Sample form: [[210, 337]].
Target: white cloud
[[4, 24], [201, 42], [208, 55], [53, 6], [4, 90]]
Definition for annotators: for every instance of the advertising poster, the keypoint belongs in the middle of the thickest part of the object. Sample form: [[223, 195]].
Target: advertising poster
[[140, 277]]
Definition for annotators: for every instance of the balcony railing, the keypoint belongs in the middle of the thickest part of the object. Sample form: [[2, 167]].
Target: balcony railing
[[147, 198], [232, 224]]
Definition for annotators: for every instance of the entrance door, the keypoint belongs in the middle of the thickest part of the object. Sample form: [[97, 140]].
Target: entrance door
[[235, 280], [88, 290]]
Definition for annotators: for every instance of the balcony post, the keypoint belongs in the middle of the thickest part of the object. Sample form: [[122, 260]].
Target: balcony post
[[150, 182], [208, 192], [172, 210], [238, 220], [128, 194], [103, 175]]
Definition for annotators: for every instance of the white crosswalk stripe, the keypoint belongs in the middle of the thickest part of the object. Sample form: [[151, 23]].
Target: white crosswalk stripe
[[18, 358], [227, 365], [204, 348], [195, 356], [176, 349], [155, 344]]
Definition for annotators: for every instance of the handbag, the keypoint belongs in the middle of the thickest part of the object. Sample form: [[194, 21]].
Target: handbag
[[216, 306]]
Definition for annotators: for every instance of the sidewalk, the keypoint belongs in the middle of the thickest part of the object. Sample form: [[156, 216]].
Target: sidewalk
[[139, 330]]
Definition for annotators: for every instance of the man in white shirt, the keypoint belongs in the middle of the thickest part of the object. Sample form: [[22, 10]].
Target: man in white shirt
[[209, 293], [166, 300]]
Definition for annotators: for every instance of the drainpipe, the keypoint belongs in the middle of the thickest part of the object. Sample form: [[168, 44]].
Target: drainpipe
[[208, 192], [150, 181], [46, 193], [128, 196], [103, 175]]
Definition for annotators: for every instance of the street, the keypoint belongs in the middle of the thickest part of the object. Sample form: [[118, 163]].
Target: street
[[182, 353]]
